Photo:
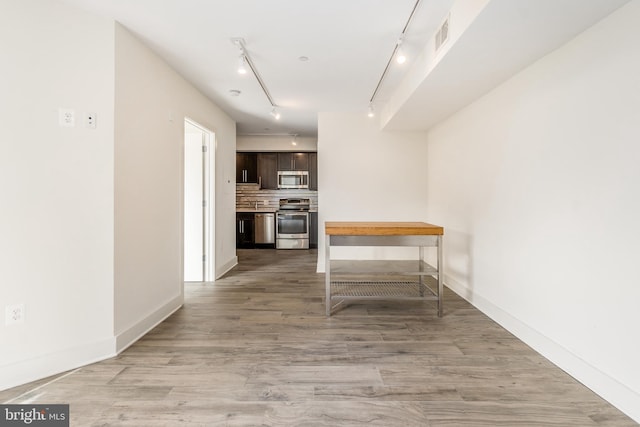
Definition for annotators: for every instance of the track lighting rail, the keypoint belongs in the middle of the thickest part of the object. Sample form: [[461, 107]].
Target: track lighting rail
[[243, 52], [393, 54]]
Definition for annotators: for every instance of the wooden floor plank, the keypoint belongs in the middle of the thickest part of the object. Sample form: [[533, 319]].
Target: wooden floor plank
[[256, 348]]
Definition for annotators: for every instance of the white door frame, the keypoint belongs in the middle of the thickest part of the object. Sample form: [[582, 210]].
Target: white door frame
[[208, 200]]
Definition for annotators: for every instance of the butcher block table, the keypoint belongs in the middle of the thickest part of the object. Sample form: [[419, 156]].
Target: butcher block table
[[382, 280]]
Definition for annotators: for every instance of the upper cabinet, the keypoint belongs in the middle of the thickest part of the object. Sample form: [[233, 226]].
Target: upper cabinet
[[246, 167], [313, 171], [293, 161], [268, 171], [262, 168]]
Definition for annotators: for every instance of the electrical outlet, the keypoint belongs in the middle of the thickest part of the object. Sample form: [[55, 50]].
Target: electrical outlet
[[90, 120], [66, 117], [14, 314], [265, 202]]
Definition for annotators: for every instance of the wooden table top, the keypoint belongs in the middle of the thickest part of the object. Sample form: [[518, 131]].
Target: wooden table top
[[340, 228]]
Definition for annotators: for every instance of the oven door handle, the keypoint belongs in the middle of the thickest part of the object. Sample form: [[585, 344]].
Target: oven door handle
[[292, 215]]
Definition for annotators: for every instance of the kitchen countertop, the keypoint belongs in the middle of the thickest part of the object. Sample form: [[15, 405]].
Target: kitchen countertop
[[265, 210]]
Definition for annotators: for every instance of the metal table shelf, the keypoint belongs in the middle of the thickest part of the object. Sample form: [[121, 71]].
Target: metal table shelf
[[382, 280]]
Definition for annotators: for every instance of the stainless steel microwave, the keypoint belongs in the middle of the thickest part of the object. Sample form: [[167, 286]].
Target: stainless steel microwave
[[293, 179]]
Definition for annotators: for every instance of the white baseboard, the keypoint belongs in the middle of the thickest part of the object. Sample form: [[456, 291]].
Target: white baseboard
[[610, 389], [26, 371], [135, 332], [224, 269]]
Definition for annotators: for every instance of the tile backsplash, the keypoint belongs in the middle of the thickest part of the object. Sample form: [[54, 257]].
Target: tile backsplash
[[248, 194]]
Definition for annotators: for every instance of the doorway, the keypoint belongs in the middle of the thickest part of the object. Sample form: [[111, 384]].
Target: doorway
[[199, 208]]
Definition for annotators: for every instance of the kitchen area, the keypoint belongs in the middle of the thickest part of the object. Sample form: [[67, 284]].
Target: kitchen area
[[276, 200]]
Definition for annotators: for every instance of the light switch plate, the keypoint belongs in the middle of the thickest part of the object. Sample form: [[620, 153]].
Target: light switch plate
[[90, 120], [66, 117]]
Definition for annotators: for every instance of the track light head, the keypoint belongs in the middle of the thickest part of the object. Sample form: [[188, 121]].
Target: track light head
[[400, 56], [397, 53], [244, 62], [242, 68]]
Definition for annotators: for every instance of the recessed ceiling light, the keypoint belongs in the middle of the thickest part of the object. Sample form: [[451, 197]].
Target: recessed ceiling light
[[303, 58], [234, 92]]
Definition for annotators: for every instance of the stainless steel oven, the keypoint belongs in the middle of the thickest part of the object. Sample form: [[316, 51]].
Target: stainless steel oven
[[292, 224]]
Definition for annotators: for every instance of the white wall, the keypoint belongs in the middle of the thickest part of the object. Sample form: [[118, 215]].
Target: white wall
[[275, 143], [91, 219], [56, 189], [368, 175], [536, 185], [152, 101]]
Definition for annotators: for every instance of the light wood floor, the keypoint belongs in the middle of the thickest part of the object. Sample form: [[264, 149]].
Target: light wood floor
[[255, 349]]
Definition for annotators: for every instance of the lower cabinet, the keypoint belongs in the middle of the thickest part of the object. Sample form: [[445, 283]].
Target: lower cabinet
[[313, 229], [244, 230]]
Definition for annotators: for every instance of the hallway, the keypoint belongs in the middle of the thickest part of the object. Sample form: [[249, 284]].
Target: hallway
[[255, 348]]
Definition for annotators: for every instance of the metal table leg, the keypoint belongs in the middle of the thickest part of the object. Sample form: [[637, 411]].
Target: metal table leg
[[327, 273]]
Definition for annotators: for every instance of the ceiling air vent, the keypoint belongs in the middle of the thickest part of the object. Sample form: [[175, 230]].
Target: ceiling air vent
[[443, 34]]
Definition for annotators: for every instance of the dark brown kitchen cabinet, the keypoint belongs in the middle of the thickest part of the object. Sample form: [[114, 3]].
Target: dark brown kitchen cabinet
[[313, 171], [293, 161], [244, 230], [268, 171], [246, 167], [313, 230]]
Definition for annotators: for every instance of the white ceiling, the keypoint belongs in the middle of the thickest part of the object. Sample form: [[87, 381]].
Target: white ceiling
[[506, 37], [348, 43]]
